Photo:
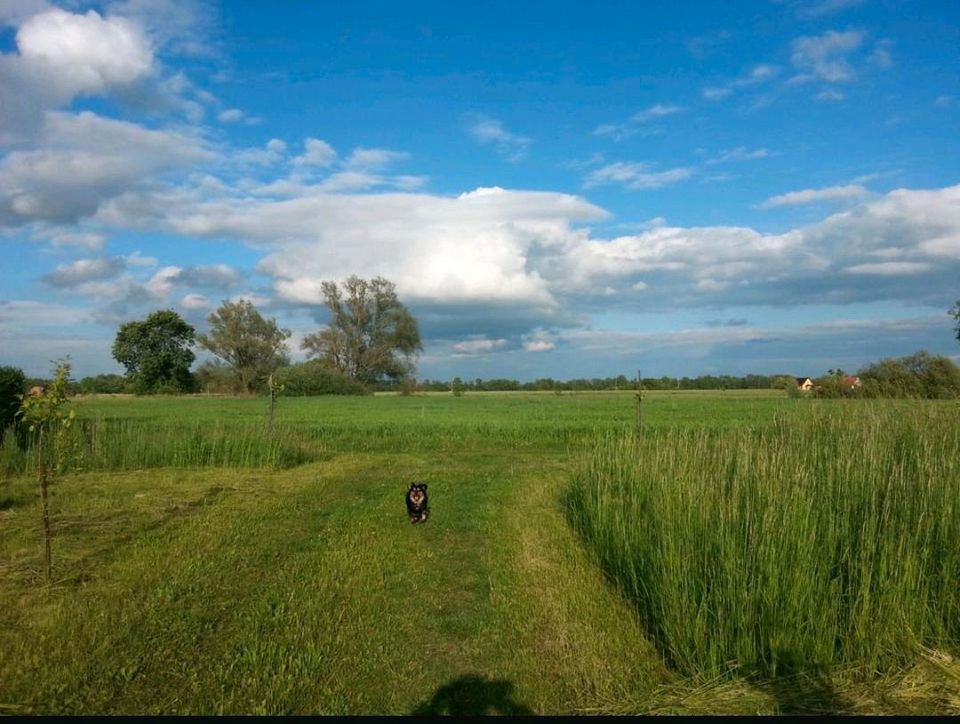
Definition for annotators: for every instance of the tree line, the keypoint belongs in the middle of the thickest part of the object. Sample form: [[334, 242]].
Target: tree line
[[372, 337], [370, 345]]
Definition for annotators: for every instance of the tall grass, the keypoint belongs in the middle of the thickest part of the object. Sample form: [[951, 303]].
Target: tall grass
[[827, 540], [137, 444]]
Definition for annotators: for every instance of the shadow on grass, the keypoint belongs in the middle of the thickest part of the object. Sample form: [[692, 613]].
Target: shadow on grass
[[473, 695], [805, 694]]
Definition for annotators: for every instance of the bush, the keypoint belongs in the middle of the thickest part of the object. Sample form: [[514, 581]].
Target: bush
[[313, 378], [104, 385], [918, 375], [12, 385]]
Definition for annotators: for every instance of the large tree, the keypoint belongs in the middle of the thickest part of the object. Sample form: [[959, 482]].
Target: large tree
[[371, 335], [955, 313], [252, 346], [156, 352]]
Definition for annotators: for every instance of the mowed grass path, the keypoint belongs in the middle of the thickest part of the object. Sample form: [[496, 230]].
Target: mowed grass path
[[307, 590]]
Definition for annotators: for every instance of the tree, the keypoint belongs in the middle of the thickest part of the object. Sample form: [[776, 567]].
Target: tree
[[371, 335], [156, 352], [955, 313], [48, 421], [253, 347], [12, 386]]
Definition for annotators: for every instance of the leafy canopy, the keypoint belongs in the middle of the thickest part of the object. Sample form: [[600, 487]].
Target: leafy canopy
[[156, 352], [249, 344], [371, 335]]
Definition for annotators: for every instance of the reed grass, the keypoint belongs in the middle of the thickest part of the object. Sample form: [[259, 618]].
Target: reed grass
[[820, 541], [132, 444]]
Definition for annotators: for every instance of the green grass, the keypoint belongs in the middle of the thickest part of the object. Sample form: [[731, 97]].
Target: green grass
[[819, 542], [206, 563]]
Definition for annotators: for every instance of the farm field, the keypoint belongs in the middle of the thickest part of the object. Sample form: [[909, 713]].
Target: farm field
[[206, 562]]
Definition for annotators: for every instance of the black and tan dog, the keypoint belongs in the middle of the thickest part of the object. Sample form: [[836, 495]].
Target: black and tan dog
[[417, 507]]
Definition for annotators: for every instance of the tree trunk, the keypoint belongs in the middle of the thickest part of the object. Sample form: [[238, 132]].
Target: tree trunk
[[42, 479]]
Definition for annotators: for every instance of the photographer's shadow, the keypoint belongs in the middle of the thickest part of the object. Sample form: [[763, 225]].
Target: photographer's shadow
[[473, 695]]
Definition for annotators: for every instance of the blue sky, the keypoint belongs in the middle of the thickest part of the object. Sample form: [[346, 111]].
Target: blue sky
[[562, 189]]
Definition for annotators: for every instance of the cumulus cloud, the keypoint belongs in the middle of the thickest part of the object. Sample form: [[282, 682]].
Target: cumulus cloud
[[492, 255], [84, 159], [539, 341], [195, 302], [317, 152], [88, 53], [215, 276], [84, 270], [478, 346], [809, 196], [61, 56]]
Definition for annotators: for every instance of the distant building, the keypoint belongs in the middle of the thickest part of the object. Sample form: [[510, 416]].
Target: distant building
[[851, 382], [804, 383], [36, 391]]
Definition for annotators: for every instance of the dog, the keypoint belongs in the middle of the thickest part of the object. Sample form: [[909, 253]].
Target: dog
[[417, 507]]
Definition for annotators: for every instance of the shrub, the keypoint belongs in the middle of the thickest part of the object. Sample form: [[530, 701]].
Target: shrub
[[109, 384], [12, 385], [918, 375], [314, 378]]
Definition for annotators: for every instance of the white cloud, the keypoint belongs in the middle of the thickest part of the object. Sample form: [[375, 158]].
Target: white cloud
[[372, 159], [715, 94], [478, 346], [490, 131], [85, 159], [316, 153], [830, 95], [84, 270], [809, 196], [619, 131], [496, 256], [881, 56], [811, 9], [195, 302], [659, 110], [740, 153], [88, 52], [756, 76], [890, 268], [823, 57], [231, 115], [20, 315], [179, 27], [273, 152], [61, 238], [539, 341], [635, 176], [61, 56]]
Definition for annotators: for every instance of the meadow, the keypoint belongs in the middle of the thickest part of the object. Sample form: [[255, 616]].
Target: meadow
[[741, 552]]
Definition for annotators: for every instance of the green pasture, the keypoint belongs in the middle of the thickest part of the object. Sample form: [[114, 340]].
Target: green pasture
[[207, 562]]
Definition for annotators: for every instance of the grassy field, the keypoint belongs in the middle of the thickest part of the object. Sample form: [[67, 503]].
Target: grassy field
[[207, 563]]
